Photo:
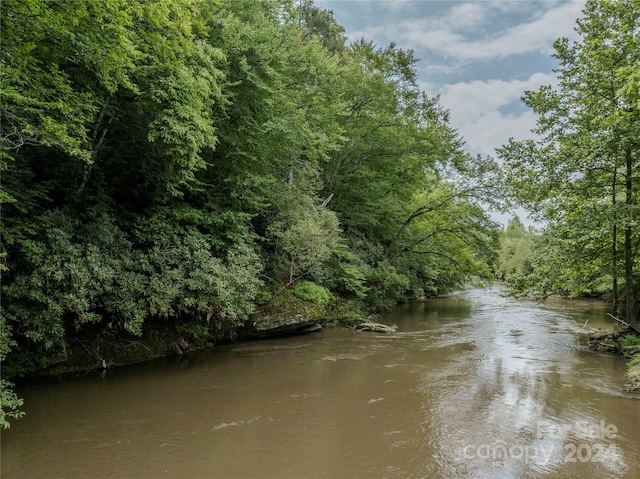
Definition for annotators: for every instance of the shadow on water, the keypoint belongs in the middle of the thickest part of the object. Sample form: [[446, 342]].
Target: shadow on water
[[471, 385]]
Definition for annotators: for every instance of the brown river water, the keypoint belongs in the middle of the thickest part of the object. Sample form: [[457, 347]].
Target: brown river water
[[471, 385]]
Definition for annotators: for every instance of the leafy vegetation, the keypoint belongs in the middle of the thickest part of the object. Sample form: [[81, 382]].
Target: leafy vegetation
[[313, 292], [171, 164], [517, 257], [578, 177], [633, 370], [181, 164]]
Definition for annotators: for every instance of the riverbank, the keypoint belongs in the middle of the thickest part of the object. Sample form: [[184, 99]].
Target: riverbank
[[625, 342], [95, 350]]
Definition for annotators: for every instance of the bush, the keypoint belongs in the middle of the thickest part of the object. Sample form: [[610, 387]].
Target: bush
[[313, 292], [387, 286], [629, 340], [76, 274], [633, 370], [10, 403]]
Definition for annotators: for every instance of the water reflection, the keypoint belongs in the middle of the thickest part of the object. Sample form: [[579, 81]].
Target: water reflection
[[471, 385], [495, 408]]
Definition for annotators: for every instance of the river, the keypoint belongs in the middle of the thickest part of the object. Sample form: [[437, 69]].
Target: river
[[470, 385]]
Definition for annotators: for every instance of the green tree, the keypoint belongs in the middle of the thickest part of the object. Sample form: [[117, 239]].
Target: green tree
[[305, 234], [401, 186], [394, 132], [588, 147], [321, 25], [516, 249], [10, 403], [163, 161]]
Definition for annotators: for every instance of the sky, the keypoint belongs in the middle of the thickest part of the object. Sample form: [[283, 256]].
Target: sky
[[480, 56]]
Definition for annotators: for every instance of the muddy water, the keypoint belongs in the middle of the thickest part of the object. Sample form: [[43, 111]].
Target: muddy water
[[471, 385]]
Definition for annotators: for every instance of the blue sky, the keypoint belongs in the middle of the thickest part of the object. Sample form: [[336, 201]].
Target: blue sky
[[479, 56]]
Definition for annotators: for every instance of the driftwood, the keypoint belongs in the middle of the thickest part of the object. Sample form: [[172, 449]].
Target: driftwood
[[626, 324], [612, 334], [608, 341], [376, 327]]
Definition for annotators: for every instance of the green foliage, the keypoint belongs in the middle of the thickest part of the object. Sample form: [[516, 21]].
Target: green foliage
[[632, 367], [549, 270], [387, 286], [304, 234], [40, 105], [310, 291], [629, 340], [577, 177], [346, 312], [10, 403], [163, 160], [320, 24], [517, 250], [347, 272], [81, 273]]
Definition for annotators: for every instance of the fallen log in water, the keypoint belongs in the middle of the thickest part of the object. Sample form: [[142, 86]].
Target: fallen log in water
[[376, 327], [609, 342], [623, 343], [629, 326]]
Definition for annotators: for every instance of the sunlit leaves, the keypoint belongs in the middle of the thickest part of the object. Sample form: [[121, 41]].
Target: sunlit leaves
[[303, 232]]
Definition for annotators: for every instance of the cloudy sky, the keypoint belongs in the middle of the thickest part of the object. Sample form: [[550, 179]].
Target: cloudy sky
[[479, 56]]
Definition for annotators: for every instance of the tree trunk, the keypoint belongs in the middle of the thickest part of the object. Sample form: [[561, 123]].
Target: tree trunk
[[614, 252], [628, 246]]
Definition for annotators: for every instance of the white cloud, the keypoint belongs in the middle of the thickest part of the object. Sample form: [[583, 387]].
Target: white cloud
[[537, 35], [475, 110], [450, 36], [458, 39], [461, 44], [476, 97], [488, 131], [467, 16], [396, 4]]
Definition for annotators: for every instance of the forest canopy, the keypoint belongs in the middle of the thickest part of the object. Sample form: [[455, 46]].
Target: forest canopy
[[180, 163]]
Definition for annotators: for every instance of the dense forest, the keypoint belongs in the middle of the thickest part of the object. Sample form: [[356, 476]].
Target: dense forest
[[180, 164]]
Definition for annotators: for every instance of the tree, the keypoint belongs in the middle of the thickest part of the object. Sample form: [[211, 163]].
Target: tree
[[320, 24], [401, 183], [589, 127], [516, 250], [164, 160]]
